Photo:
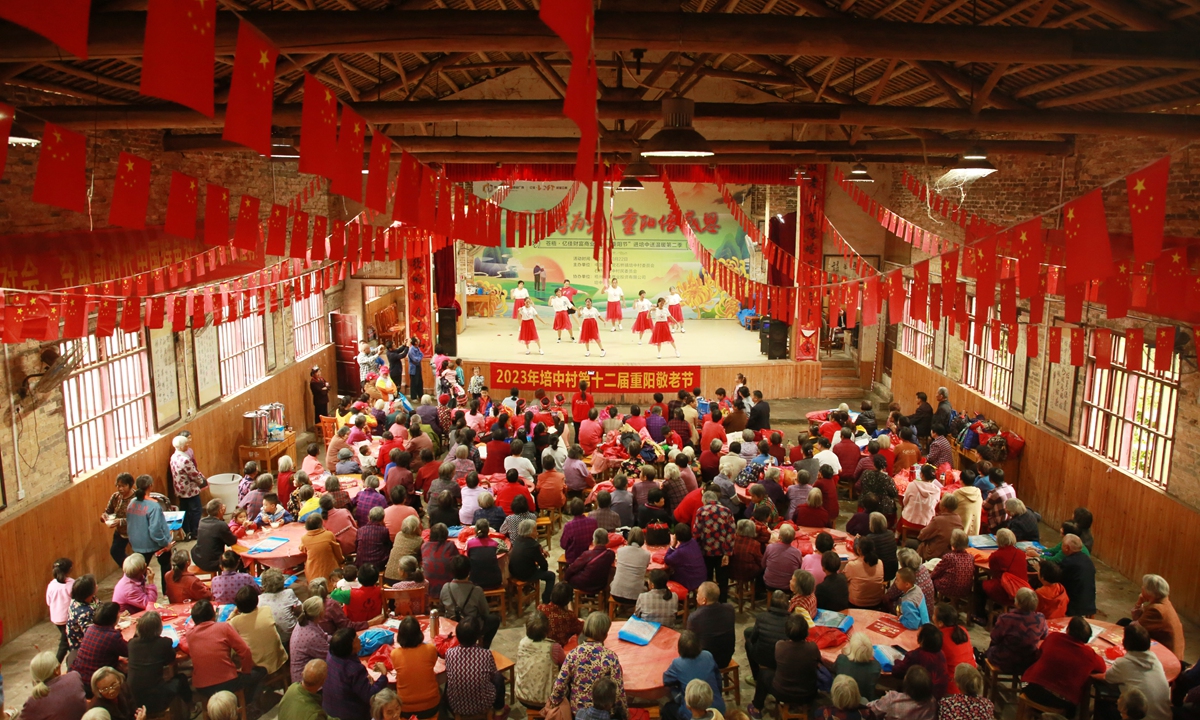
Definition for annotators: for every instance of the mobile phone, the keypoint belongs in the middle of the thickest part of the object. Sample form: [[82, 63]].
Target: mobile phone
[[900, 650]]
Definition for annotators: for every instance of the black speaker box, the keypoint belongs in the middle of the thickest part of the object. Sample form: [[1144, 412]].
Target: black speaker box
[[447, 331]]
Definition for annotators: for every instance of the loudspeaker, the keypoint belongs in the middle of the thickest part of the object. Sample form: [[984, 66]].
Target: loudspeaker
[[777, 341], [447, 331]]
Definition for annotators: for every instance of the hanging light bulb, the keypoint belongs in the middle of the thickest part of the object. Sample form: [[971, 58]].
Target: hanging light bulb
[[677, 138], [965, 171], [639, 168], [629, 184], [975, 152], [858, 173]]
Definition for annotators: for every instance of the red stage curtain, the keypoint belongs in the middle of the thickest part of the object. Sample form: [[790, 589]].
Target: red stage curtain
[[444, 276]]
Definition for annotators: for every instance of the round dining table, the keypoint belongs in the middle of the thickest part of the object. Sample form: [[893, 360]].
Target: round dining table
[[286, 556], [642, 666], [863, 620], [1110, 636], [175, 616]]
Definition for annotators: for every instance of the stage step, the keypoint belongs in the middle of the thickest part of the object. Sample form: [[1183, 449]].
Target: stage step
[[839, 371], [840, 382]]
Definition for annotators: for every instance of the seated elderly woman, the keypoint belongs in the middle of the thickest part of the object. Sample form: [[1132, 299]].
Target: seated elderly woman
[[151, 658], [589, 572], [222, 706], [747, 562], [408, 543], [813, 513], [1017, 635], [489, 511], [954, 576], [232, 578], [1022, 521], [686, 559], [586, 664], [885, 544], [284, 604], [781, 559], [1154, 611], [629, 576], [111, 693], [1006, 559], [484, 552], [182, 585], [414, 661], [135, 591], [55, 695]]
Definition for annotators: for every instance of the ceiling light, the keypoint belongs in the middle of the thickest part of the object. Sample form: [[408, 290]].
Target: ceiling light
[[975, 152], [639, 168], [858, 173], [18, 141], [677, 138], [795, 174], [966, 171], [629, 184]]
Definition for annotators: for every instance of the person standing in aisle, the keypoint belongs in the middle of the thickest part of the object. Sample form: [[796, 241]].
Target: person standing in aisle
[[616, 298], [641, 322], [416, 381], [662, 328], [589, 331]]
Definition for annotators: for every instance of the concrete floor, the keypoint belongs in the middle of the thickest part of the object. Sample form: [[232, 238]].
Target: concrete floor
[[1115, 594]]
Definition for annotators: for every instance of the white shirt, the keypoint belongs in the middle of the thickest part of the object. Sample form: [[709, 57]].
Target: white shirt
[[1144, 671], [826, 457], [615, 293], [642, 305], [519, 293], [523, 467], [560, 304], [660, 315], [589, 313], [528, 312], [674, 299]]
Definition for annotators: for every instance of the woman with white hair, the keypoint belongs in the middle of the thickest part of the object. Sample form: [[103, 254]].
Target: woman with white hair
[[385, 705], [135, 591], [858, 662], [1022, 521], [188, 482], [968, 703], [308, 641], [223, 706], [1007, 558], [845, 698], [629, 578], [1155, 612], [56, 695], [111, 693]]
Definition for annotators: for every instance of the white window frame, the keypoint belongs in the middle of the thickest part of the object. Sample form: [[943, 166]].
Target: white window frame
[[309, 324], [242, 350]]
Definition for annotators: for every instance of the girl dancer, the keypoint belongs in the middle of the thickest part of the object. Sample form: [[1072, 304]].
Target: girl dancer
[[662, 328], [675, 307], [529, 332], [519, 295], [562, 318], [642, 323], [616, 297], [589, 330]]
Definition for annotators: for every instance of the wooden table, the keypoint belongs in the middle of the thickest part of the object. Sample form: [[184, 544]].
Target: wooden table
[[267, 456], [504, 665], [481, 305], [284, 557], [642, 667], [907, 639]]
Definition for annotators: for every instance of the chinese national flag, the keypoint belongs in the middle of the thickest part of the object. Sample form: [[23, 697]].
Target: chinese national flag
[[1134, 349], [408, 190], [179, 315], [245, 233], [179, 52], [6, 121], [574, 22], [1054, 340], [1115, 292], [1164, 347], [216, 215], [131, 315], [318, 129], [277, 230], [1031, 340], [1073, 303], [871, 301], [427, 200], [131, 192], [299, 247], [935, 305], [949, 271], [1148, 209], [1089, 254], [248, 114], [1171, 272], [106, 317], [1013, 338], [337, 240], [75, 316], [895, 283], [181, 206], [1078, 339], [1027, 241], [377, 172], [61, 178], [62, 22], [1102, 341], [320, 222], [1008, 301], [348, 180], [920, 289], [986, 272]]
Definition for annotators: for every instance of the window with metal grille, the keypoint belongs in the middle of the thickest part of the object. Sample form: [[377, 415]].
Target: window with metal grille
[[984, 369], [106, 400], [916, 336], [308, 323], [242, 349], [1129, 415]]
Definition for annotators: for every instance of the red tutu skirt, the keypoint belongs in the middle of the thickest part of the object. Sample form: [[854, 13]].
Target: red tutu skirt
[[662, 333], [528, 332], [614, 311], [676, 312], [517, 305], [642, 323], [562, 320], [589, 331]]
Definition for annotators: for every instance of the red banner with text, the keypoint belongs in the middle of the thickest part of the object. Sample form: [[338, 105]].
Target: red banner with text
[[564, 378]]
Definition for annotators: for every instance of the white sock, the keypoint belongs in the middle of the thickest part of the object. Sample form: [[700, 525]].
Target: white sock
[[587, 353], [603, 353]]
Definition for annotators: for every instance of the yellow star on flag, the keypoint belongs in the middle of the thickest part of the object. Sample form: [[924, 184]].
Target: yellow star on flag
[[129, 165], [1140, 186], [262, 58], [1175, 257]]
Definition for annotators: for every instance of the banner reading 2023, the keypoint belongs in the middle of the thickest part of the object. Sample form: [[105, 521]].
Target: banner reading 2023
[[600, 378], [650, 253]]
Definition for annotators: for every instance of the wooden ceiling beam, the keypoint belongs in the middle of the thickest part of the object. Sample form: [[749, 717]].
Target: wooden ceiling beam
[[1132, 14], [142, 116], [121, 34], [1119, 90], [1064, 79]]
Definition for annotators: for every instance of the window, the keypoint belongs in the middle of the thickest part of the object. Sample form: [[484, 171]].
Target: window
[[242, 350], [1129, 416], [988, 371], [308, 323], [106, 399], [916, 336]]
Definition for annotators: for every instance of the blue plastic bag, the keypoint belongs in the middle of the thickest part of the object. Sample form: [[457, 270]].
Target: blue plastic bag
[[374, 639]]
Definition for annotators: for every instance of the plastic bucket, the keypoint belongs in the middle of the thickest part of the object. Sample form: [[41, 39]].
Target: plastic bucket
[[224, 487]]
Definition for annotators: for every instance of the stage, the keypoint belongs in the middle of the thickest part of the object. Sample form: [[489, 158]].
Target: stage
[[712, 352]]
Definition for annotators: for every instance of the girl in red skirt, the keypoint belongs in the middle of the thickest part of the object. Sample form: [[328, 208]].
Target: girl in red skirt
[[675, 307], [616, 298], [519, 295], [562, 315], [589, 329], [662, 328], [642, 307], [528, 329]]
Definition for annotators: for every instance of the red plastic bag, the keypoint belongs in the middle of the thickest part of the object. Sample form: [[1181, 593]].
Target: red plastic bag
[[827, 637], [444, 643], [680, 591], [382, 655], [1016, 443]]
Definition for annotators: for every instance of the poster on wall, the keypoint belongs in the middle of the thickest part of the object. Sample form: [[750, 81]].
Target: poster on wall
[[651, 252], [1060, 388], [208, 366], [165, 375]]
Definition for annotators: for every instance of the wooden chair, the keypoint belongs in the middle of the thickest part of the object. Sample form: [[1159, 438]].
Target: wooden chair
[[731, 681], [1026, 708], [523, 592], [994, 678], [387, 325], [545, 530], [328, 429], [745, 590], [562, 566], [619, 609], [994, 611], [405, 602], [497, 599], [590, 603], [784, 711]]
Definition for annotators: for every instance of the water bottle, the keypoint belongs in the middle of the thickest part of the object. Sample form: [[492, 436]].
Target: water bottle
[[434, 623]]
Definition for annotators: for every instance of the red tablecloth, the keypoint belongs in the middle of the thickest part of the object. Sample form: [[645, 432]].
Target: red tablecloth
[[907, 639], [175, 615], [281, 558], [643, 666], [445, 628], [1112, 636]]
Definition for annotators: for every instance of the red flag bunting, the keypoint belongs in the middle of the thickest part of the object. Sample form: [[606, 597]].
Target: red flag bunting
[[216, 215], [131, 192], [106, 317], [896, 297], [318, 129], [1078, 339], [377, 172], [319, 252], [245, 233], [1164, 348], [61, 178], [277, 230], [252, 91], [1102, 347], [179, 53], [299, 246], [181, 206], [918, 301], [408, 190], [1089, 252], [1147, 208], [62, 22], [348, 179], [75, 316], [1054, 340], [949, 270], [1031, 340]]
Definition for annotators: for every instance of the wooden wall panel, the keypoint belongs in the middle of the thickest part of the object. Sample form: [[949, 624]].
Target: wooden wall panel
[[1138, 528], [67, 524]]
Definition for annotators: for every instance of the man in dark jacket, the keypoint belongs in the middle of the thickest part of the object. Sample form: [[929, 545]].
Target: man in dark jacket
[[713, 622], [212, 537], [760, 414], [944, 409], [922, 419], [527, 562], [866, 418], [768, 629], [1078, 577]]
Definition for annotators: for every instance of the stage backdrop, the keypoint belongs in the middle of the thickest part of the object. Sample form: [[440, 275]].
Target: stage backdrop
[[651, 252]]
